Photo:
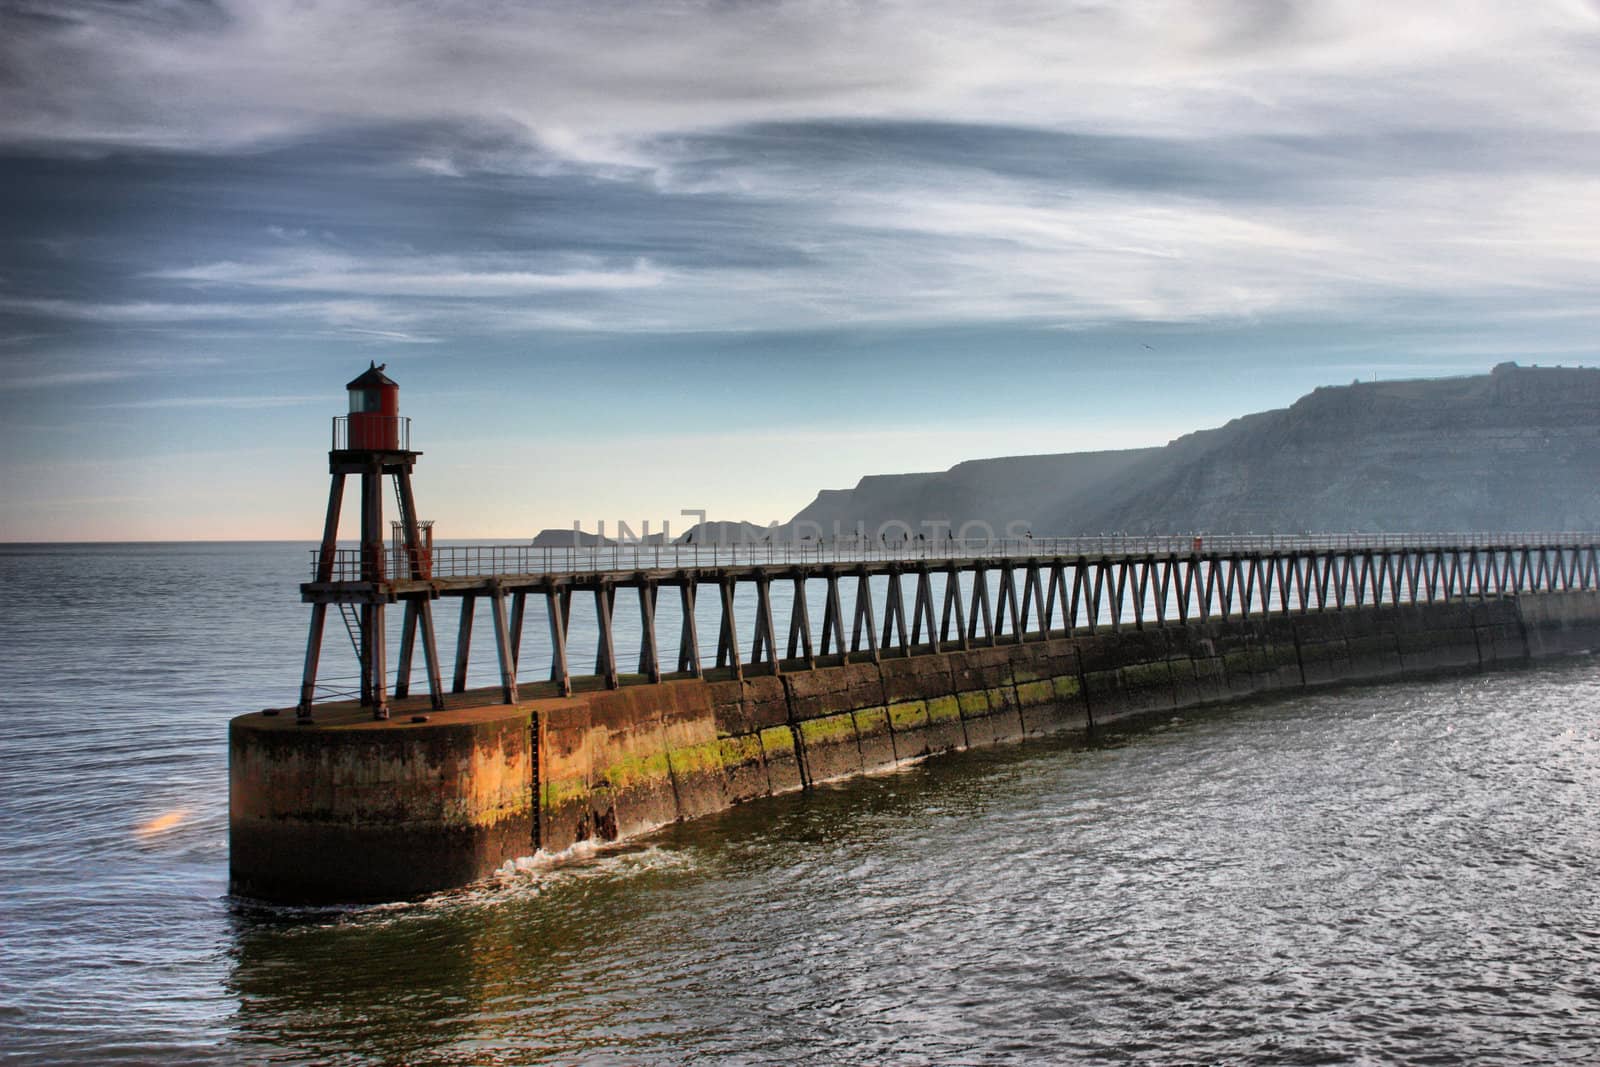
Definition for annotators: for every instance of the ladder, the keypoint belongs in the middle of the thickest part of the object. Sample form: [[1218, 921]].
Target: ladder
[[352, 626]]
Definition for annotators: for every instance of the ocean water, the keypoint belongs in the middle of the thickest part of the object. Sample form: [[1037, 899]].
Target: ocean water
[[1396, 874]]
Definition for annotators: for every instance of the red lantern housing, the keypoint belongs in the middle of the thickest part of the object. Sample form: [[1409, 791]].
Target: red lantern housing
[[374, 412]]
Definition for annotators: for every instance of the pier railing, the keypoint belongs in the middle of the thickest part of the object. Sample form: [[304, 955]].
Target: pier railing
[[485, 561]]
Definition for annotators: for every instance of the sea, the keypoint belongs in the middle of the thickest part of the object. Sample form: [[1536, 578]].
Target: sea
[[1395, 874]]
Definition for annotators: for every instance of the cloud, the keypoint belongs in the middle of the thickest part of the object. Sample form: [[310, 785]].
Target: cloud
[[59, 379], [908, 245], [449, 169], [218, 402], [392, 336], [482, 276], [338, 312], [588, 81]]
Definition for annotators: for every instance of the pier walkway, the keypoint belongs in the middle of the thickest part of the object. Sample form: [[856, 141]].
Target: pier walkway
[[962, 594]]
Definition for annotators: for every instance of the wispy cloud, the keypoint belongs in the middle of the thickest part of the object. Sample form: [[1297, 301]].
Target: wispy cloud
[[167, 312], [398, 337], [768, 166], [61, 379], [217, 402], [483, 276], [581, 77], [913, 246]]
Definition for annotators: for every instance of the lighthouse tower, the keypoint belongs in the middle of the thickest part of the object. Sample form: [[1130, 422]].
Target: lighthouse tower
[[372, 442]]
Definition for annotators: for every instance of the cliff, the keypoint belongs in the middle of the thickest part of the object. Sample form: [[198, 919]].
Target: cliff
[[992, 491], [1516, 449]]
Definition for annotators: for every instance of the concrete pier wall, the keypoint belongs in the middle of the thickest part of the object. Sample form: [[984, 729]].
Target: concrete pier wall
[[358, 810], [355, 810]]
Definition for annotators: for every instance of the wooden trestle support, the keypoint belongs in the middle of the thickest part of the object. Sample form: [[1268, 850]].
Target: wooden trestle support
[[952, 604], [363, 584]]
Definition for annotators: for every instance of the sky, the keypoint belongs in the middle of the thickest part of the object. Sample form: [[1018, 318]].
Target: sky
[[627, 259]]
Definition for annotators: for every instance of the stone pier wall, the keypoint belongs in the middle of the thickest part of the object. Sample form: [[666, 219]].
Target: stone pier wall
[[355, 810], [618, 763]]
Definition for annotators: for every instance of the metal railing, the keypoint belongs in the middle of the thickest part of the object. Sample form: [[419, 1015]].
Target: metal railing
[[475, 561], [379, 433]]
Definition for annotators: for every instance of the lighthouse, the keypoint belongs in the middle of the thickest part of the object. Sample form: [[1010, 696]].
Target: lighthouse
[[372, 442]]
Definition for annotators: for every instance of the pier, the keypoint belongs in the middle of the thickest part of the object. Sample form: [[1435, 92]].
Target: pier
[[749, 670], [907, 598]]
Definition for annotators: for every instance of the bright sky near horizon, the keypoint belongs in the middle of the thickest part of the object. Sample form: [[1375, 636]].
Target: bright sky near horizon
[[627, 259]]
